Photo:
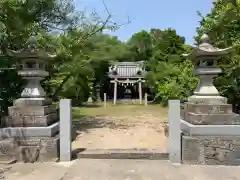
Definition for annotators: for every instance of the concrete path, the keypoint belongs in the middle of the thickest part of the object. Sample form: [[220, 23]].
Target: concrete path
[[91, 169]]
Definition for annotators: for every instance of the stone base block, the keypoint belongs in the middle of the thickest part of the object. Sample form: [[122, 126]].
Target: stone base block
[[212, 119], [30, 121], [208, 108], [209, 130], [30, 149], [31, 110], [207, 100], [209, 114], [12, 132], [32, 102], [211, 150]]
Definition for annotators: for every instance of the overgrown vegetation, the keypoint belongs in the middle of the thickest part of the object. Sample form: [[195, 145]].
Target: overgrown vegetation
[[84, 51]]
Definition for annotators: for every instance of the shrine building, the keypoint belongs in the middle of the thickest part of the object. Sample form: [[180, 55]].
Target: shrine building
[[127, 80]]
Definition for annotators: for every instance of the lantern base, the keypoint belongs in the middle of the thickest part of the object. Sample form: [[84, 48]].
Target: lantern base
[[205, 86], [33, 89]]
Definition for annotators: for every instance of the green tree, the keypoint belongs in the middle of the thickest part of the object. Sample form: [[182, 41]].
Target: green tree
[[140, 46], [18, 19], [222, 25], [61, 30], [169, 73]]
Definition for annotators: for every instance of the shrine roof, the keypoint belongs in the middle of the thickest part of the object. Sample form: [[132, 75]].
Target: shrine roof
[[126, 70]]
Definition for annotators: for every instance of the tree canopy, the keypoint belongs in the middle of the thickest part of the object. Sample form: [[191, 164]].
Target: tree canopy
[[222, 25], [83, 51]]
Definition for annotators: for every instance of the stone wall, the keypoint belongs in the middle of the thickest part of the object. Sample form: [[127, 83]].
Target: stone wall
[[211, 150]]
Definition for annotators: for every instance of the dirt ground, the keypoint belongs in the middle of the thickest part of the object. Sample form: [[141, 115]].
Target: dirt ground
[[121, 126]]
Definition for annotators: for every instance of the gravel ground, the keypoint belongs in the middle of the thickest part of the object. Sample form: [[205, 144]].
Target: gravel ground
[[128, 131]]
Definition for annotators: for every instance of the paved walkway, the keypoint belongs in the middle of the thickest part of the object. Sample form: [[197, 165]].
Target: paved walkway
[[90, 169]]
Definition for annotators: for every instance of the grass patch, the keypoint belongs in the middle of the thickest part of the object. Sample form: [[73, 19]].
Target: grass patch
[[119, 110]]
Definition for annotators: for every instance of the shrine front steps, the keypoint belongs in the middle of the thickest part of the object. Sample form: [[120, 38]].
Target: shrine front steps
[[129, 101]]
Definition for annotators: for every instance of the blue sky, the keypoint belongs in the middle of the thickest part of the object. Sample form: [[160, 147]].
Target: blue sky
[[146, 14]]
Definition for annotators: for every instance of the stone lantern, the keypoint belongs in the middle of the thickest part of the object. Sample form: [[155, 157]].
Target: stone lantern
[[30, 132], [32, 63], [98, 89], [204, 58], [210, 130]]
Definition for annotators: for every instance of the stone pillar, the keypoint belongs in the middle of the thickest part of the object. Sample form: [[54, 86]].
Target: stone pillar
[[140, 91], [174, 139], [146, 99], [211, 131], [65, 130], [115, 92], [105, 100]]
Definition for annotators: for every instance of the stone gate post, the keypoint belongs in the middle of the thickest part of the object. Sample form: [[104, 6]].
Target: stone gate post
[[65, 130], [174, 139]]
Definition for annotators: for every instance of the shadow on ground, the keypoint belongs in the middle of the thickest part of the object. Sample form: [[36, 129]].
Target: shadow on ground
[[83, 123]]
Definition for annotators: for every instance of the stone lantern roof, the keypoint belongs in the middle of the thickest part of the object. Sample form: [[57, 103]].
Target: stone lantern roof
[[31, 52], [206, 49]]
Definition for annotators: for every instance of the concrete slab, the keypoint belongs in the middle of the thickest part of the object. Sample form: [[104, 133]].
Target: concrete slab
[[145, 169], [48, 131], [36, 171], [93, 169]]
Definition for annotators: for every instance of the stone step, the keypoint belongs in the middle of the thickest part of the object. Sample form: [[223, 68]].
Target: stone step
[[208, 109], [128, 101], [136, 153], [212, 119], [31, 110], [30, 121]]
